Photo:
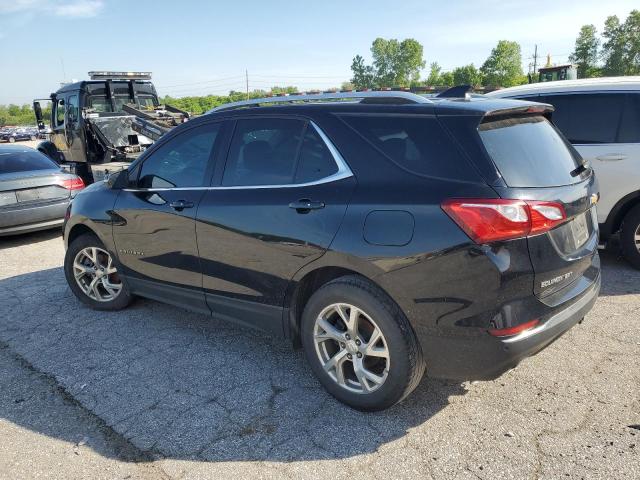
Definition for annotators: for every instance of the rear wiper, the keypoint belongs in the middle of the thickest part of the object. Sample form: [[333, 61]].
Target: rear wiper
[[580, 170]]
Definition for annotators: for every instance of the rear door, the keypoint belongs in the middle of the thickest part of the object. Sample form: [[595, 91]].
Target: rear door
[[273, 208], [537, 163], [154, 231]]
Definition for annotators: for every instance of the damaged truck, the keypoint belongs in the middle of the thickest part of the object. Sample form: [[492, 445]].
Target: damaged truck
[[99, 126]]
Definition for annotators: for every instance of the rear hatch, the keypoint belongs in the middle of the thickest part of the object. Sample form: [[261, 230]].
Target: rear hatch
[[537, 164]]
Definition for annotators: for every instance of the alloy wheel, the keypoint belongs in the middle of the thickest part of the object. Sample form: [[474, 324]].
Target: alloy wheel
[[351, 348], [96, 275], [636, 238]]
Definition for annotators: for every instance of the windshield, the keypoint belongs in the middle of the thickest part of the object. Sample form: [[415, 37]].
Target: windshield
[[24, 161], [529, 152]]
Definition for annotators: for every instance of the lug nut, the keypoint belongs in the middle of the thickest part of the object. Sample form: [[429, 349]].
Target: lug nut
[[359, 355], [358, 342], [349, 356], [342, 345], [347, 336]]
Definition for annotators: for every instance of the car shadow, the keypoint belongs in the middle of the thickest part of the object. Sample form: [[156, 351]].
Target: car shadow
[[186, 386], [13, 241], [618, 276]]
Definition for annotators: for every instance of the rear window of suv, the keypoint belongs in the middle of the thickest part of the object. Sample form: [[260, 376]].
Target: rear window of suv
[[529, 152], [415, 143]]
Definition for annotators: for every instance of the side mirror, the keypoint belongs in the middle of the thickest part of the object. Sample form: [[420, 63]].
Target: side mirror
[[118, 181]]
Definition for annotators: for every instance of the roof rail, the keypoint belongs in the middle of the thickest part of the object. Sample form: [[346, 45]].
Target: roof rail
[[385, 97]]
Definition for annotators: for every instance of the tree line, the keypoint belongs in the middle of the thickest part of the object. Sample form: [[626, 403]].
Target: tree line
[[616, 52]]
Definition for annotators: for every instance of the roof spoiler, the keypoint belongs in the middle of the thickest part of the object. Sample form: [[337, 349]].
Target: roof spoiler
[[459, 91], [533, 108]]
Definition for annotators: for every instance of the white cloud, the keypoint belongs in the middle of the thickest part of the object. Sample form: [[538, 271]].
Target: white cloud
[[13, 6], [80, 8], [68, 9]]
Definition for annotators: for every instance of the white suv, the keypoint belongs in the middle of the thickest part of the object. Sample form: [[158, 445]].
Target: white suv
[[601, 118]]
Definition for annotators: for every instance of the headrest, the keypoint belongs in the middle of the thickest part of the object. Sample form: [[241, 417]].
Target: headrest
[[257, 156]]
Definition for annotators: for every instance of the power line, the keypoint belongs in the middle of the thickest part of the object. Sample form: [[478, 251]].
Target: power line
[[202, 82]]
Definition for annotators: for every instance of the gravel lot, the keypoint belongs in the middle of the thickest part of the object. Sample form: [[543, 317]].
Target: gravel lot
[[157, 392]]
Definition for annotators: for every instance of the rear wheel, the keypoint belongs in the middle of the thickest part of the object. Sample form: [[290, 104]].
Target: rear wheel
[[360, 344], [630, 237], [93, 276], [12, 140]]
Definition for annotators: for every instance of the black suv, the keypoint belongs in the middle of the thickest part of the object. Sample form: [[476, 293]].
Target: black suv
[[384, 232]]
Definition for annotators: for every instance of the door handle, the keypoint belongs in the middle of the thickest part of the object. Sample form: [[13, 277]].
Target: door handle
[[611, 157], [180, 205], [305, 205]]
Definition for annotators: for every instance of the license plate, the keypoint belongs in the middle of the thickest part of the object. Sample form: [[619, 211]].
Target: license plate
[[580, 230]]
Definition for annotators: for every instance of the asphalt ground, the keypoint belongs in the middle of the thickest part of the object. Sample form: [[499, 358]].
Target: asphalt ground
[[158, 392]]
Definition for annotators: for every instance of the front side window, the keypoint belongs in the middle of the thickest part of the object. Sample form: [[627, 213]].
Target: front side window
[[72, 108], [182, 161], [59, 112]]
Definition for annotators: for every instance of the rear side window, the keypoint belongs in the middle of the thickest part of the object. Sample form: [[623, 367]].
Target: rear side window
[[415, 143], [529, 152], [316, 161], [263, 152], [588, 118], [15, 162], [630, 122]]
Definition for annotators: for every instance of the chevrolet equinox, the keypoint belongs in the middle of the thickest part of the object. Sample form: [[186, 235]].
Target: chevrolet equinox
[[386, 233]]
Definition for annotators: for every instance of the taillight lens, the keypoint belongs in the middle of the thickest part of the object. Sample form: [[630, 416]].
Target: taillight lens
[[491, 220], [72, 183], [510, 331]]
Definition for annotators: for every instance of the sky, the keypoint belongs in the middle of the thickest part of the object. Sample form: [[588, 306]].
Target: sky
[[205, 47]]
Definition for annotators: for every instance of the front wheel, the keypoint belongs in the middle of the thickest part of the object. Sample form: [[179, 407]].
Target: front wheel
[[12, 140], [360, 345], [630, 237], [93, 276]]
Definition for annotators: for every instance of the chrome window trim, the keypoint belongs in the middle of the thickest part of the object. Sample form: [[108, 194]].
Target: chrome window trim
[[343, 172]]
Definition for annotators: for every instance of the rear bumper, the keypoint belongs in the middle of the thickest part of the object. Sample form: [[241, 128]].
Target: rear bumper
[[483, 357], [32, 217]]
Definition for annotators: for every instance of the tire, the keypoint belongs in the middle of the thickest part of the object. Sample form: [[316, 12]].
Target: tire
[[395, 376], [82, 255], [630, 237]]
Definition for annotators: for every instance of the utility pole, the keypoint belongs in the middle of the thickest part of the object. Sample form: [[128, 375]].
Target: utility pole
[[246, 73], [535, 60]]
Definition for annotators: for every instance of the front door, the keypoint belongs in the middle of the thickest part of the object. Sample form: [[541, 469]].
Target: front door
[[58, 127], [154, 231], [276, 207]]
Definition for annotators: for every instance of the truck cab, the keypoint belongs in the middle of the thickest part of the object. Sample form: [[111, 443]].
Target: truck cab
[[89, 124]]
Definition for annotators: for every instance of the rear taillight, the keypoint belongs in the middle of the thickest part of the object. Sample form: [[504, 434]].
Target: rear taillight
[[491, 220], [510, 331], [72, 183]]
